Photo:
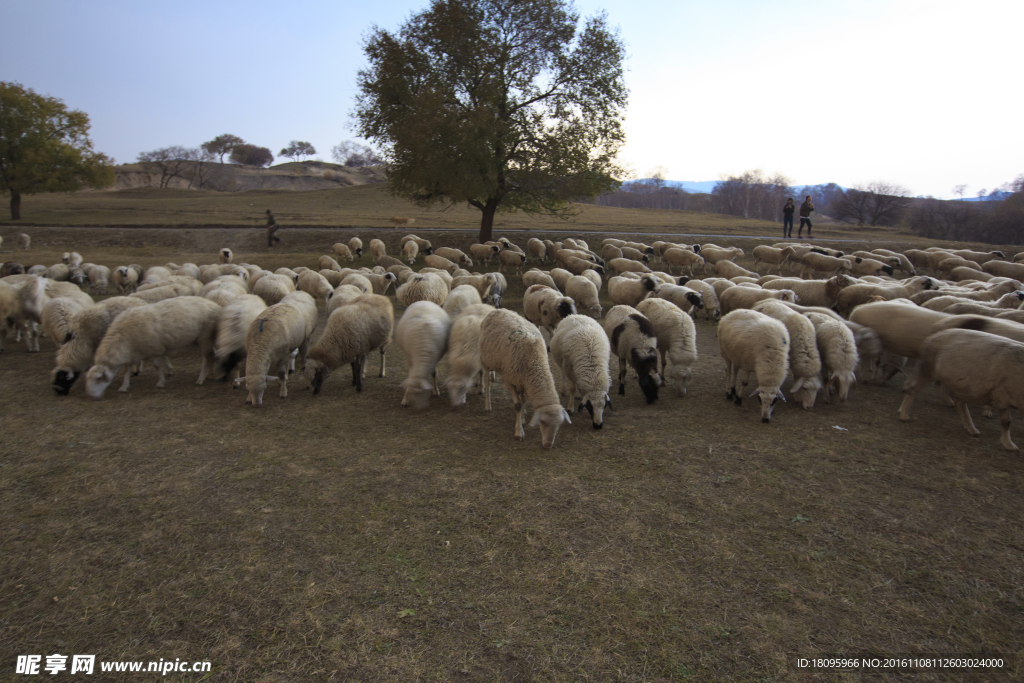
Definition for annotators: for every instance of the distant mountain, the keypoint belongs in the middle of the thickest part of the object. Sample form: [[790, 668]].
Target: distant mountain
[[706, 186]]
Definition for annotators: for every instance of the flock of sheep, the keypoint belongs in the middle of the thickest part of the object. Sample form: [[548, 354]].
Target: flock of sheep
[[960, 325]]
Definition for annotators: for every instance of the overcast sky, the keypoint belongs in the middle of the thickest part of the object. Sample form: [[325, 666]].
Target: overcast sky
[[925, 94]]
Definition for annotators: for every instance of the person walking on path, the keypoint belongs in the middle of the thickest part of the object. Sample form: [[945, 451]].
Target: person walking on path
[[273, 227], [805, 217], [787, 218]]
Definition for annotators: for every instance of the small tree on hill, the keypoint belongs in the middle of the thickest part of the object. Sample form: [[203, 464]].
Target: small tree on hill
[[251, 155], [222, 144], [172, 161], [297, 149], [352, 154], [45, 147]]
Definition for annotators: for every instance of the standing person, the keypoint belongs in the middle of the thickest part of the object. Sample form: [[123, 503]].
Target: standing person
[[273, 227], [805, 217], [787, 218]]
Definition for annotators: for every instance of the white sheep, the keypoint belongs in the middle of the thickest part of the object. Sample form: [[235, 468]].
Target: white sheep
[[804, 357], [513, 347], [459, 299], [226, 255], [580, 348], [59, 272], [24, 241], [728, 269], [686, 298], [86, 330], [973, 368], [634, 341], [482, 283], [411, 251], [464, 369], [823, 293], [497, 290], [545, 307], [746, 297], [582, 290], [343, 294], [677, 341], [56, 318], [422, 335], [629, 292], [511, 258], [771, 256], [273, 288], [72, 259], [352, 333], [454, 255], [232, 329], [223, 290], [752, 342], [538, 277], [839, 358], [424, 245], [902, 327], [99, 278], [272, 337], [814, 263], [422, 287], [154, 331], [483, 252], [377, 248], [684, 258], [316, 285], [342, 251], [381, 281], [536, 249]]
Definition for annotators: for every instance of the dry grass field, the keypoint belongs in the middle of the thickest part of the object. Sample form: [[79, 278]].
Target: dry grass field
[[344, 538]]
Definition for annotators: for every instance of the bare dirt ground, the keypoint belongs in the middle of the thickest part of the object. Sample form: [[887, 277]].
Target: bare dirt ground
[[345, 538]]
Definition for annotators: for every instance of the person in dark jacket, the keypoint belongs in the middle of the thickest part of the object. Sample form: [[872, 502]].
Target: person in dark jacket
[[787, 218], [273, 227], [805, 217]]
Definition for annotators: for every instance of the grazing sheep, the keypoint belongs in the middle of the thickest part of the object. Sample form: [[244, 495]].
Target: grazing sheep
[[422, 335], [713, 255], [484, 252], [684, 258], [580, 349], [610, 251], [454, 255], [973, 368], [59, 272], [440, 262], [677, 341], [411, 251], [99, 278], [232, 329], [497, 291], [545, 307], [86, 330], [981, 256], [422, 287], [511, 258], [226, 255], [11, 268], [355, 245], [633, 339], [770, 256], [869, 266], [1000, 327], [616, 266], [154, 331], [343, 294], [459, 299], [342, 251], [223, 290], [837, 345], [582, 291], [24, 241], [683, 297], [377, 248], [1005, 269], [423, 245], [536, 249], [635, 255], [359, 280], [752, 342], [443, 274], [333, 277], [56, 316], [823, 293], [272, 337], [273, 288], [946, 266], [855, 295], [327, 263], [538, 277], [352, 333], [815, 263], [736, 298], [316, 285], [515, 349], [728, 269], [37, 270], [962, 274], [464, 368], [902, 328], [629, 292], [482, 283], [561, 277], [381, 281], [804, 358]]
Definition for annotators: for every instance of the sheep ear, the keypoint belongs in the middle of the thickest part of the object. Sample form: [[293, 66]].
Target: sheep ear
[[565, 413], [797, 385], [780, 395]]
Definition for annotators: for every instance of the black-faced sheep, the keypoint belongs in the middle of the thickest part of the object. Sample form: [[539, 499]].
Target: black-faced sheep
[[677, 341], [634, 341]]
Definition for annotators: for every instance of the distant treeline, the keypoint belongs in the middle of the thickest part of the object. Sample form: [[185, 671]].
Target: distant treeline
[[1000, 220]]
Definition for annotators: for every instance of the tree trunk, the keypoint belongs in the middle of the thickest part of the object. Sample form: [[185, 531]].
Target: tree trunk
[[15, 205], [487, 220]]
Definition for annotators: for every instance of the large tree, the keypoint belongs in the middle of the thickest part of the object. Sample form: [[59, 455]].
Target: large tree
[[502, 104], [251, 155], [222, 144], [172, 161], [877, 203], [45, 147]]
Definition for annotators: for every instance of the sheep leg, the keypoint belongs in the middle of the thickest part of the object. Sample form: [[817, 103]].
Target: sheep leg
[[486, 390], [203, 369], [282, 374], [161, 380], [730, 384], [167, 366], [988, 412], [519, 403], [742, 392], [361, 363], [127, 376], [383, 351], [965, 417], [622, 376], [570, 389], [664, 366], [138, 368], [437, 391], [355, 373], [1004, 422]]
